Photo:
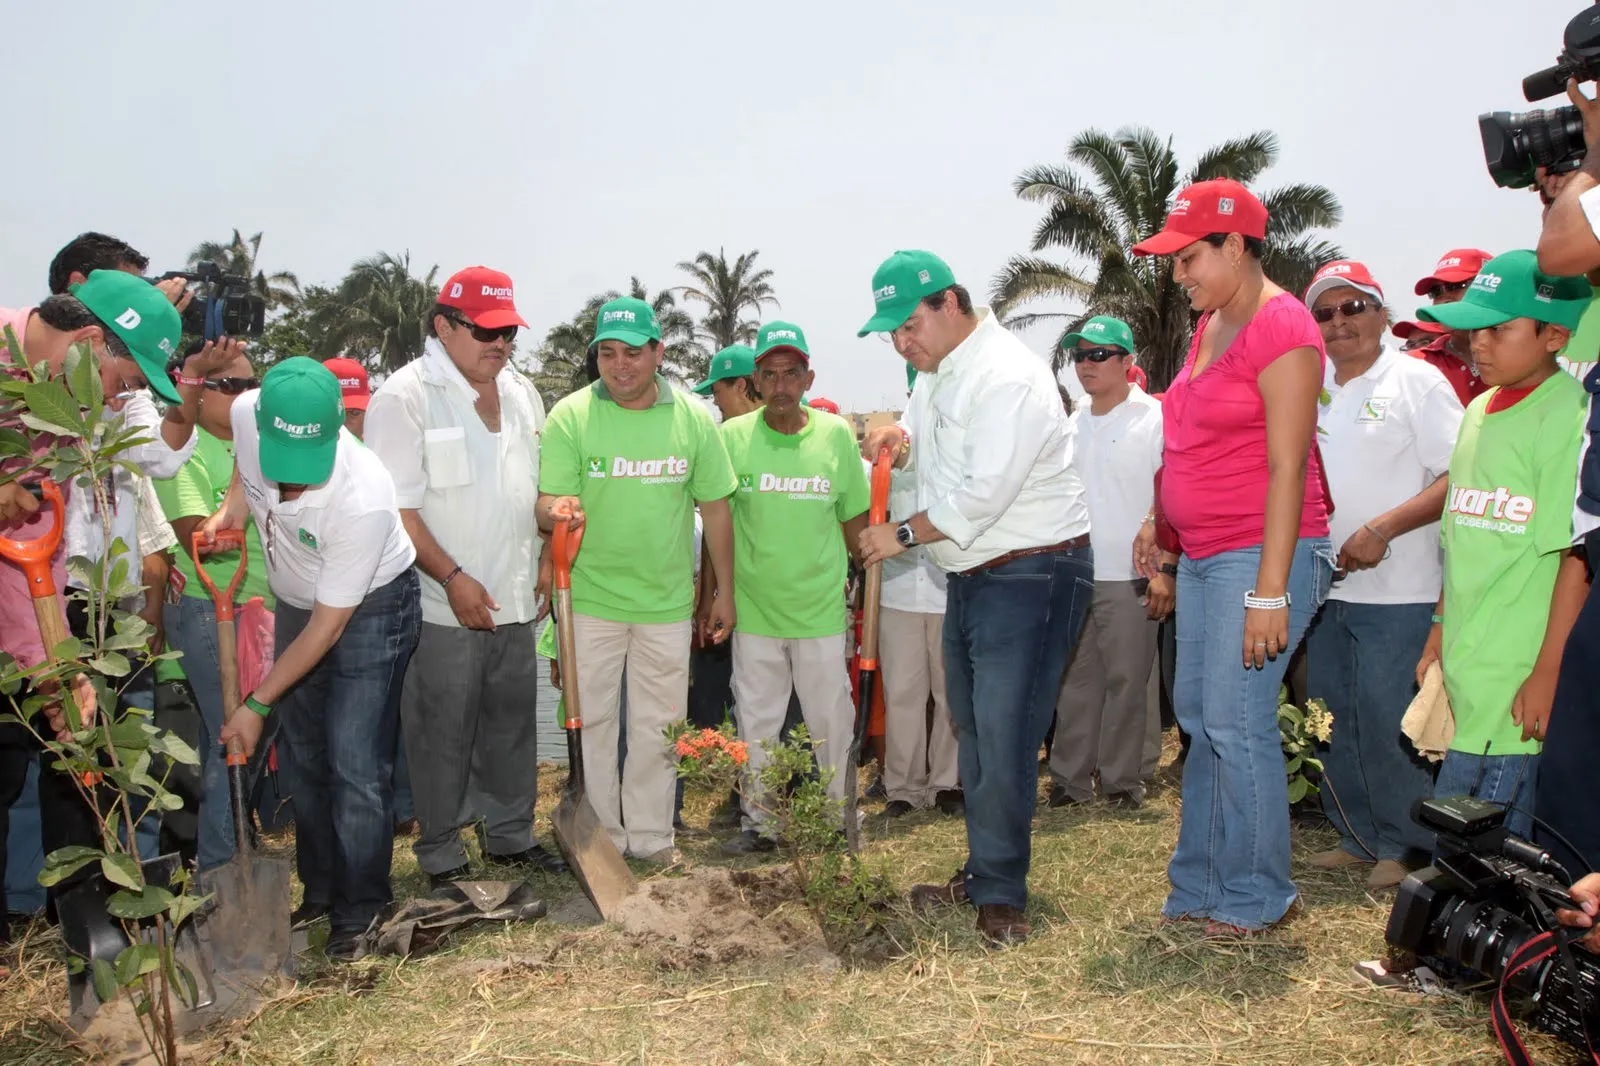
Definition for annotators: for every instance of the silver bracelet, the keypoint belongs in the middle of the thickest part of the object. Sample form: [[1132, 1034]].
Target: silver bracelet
[[1252, 602]]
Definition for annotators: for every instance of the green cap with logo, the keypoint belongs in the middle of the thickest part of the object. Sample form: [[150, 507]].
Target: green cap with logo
[[1512, 286], [734, 361], [626, 319], [299, 412], [900, 283], [1102, 330], [142, 316], [781, 336]]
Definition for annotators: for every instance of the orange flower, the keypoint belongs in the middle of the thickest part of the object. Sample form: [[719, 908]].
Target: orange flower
[[738, 753], [683, 747]]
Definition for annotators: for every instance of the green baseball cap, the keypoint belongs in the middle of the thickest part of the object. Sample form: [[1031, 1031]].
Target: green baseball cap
[[903, 280], [779, 336], [625, 319], [299, 412], [1512, 286], [142, 316], [734, 361], [1102, 329]]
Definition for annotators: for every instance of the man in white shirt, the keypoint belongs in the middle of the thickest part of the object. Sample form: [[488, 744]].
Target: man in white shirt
[[1002, 512], [1104, 718], [460, 435], [1386, 433], [339, 563]]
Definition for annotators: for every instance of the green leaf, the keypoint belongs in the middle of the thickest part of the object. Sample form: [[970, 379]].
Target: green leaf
[[64, 862], [133, 905], [105, 980], [1297, 789], [131, 733], [13, 443], [179, 976], [50, 401], [120, 869], [182, 906], [69, 650], [39, 425], [136, 960], [175, 748], [1292, 767], [83, 376]]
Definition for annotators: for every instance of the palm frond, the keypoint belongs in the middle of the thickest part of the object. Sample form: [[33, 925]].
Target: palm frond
[[1293, 209], [1243, 159], [1026, 278]]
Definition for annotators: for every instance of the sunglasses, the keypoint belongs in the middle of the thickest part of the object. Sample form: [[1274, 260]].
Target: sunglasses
[[1436, 291], [233, 386], [1096, 355], [483, 335], [1349, 309]]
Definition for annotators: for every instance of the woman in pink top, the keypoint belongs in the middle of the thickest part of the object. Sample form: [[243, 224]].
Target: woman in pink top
[[1244, 494]]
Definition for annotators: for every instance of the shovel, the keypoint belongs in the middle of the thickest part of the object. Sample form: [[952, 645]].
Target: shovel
[[877, 514], [583, 841], [245, 929]]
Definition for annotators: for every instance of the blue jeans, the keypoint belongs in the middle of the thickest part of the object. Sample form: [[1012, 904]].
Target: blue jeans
[[1232, 859], [1008, 633], [1505, 779], [1362, 659], [339, 724]]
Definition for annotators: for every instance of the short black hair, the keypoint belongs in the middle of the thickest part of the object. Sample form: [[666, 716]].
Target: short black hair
[[591, 364], [1253, 246], [440, 309], [68, 314], [92, 251], [750, 389], [935, 300]]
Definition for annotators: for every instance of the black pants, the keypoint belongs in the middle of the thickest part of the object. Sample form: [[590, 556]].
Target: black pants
[[1564, 793]]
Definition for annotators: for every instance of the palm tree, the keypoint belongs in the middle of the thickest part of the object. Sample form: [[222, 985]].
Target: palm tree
[[238, 256], [728, 293], [683, 357], [1132, 177], [565, 349], [377, 312]]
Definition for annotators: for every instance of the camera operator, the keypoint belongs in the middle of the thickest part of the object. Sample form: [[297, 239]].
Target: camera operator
[[1585, 892]]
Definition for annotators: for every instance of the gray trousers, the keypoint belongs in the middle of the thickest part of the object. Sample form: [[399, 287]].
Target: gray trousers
[[1104, 718], [467, 718]]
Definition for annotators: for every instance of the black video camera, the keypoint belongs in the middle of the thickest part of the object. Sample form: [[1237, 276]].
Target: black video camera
[[1486, 895], [1513, 145], [224, 306]]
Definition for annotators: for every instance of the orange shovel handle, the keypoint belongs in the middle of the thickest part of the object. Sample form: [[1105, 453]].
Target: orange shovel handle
[[224, 538], [33, 556]]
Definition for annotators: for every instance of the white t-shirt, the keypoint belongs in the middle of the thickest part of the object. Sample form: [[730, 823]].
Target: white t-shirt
[[1118, 454], [335, 543], [1385, 436]]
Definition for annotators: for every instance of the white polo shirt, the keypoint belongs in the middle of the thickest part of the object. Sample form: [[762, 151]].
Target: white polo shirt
[[910, 580], [1118, 454], [991, 451], [475, 489], [337, 541], [1385, 436]]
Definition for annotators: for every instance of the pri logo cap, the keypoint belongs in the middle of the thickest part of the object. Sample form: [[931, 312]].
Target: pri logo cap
[[142, 317], [299, 413], [1512, 286], [734, 361], [899, 285], [483, 297], [782, 337], [625, 319], [1339, 274], [1456, 265], [1218, 206], [352, 382]]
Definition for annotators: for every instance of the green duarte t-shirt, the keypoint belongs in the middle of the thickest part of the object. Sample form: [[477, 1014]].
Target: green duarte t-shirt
[[639, 475], [1513, 477], [789, 554], [196, 491]]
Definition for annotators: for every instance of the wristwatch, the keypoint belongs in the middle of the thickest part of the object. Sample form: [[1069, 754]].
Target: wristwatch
[[1170, 569], [905, 535]]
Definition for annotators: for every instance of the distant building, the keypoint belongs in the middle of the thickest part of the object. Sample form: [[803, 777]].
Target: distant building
[[872, 420]]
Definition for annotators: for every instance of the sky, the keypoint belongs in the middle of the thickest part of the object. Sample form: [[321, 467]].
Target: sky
[[576, 145]]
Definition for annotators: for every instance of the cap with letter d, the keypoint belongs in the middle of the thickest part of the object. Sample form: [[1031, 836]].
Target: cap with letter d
[[299, 412], [899, 285], [141, 316]]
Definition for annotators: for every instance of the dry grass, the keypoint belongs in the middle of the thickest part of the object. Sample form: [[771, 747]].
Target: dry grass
[[1098, 983]]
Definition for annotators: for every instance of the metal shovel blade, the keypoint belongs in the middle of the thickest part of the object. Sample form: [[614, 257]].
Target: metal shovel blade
[[245, 929], [589, 851]]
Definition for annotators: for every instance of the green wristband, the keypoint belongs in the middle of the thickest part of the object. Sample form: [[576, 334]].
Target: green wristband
[[1438, 619], [256, 705]]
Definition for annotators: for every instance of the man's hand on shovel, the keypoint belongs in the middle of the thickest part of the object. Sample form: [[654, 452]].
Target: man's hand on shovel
[[245, 726], [55, 712]]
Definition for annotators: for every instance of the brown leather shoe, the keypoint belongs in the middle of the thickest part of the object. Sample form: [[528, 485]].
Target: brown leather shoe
[[1002, 924], [953, 893]]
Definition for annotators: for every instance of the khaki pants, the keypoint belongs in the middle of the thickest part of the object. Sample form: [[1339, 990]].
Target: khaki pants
[[765, 669], [636, 806], [1104, 718], [918, 763]]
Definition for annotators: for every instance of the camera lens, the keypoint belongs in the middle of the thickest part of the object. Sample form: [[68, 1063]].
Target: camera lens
[[1515, 145]]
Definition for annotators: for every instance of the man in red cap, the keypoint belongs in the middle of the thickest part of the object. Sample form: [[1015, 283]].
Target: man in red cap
[[822, 403], [1448, 352], [461, 440], [357, 393]]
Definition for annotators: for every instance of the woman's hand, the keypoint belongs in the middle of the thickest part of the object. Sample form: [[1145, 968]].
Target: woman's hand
[[1146, 552], [1266, 635]]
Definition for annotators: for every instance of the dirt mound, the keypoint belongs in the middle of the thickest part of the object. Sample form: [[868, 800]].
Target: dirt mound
[[716, 916]]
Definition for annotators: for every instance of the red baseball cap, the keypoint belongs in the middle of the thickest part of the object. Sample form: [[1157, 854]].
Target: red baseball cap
[[1204, 208], [822, 403], [1456, 265], [352, 382], [1404, 330], [1342, 273], [483, 296]]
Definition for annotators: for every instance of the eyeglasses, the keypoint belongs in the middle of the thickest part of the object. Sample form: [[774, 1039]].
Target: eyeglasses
[[1441, 288], [1349, 309], [484, 335], [233, 386], [1096, 355]]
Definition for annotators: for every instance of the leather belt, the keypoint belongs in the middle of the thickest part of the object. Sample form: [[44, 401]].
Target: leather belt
[[1081, 541]]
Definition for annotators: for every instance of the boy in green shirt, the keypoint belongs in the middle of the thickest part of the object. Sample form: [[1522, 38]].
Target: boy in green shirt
[[802, 499], [627, 459], [1512, 585]]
